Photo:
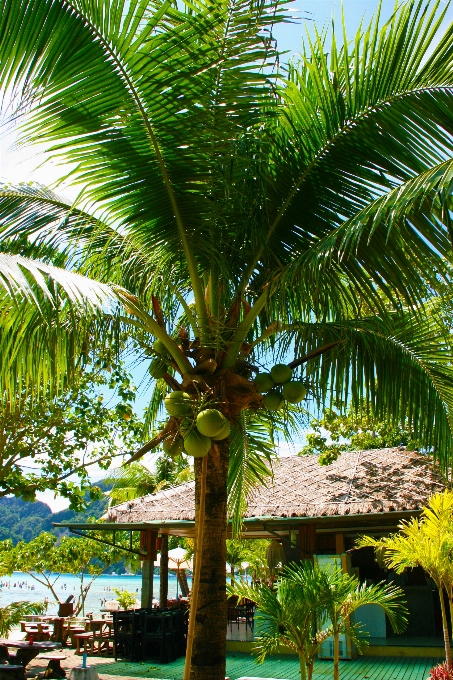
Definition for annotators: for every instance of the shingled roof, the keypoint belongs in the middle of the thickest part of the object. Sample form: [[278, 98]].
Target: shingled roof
[[363, 482]]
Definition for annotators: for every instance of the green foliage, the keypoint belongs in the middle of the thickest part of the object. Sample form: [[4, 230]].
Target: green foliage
[[354, 431], [234, 206], [425, 542], [44, 442], [12, 614], [130, 482], [309, 604], [252, 552], [125, 598], [313, 191], [136, 480], [44, 559]]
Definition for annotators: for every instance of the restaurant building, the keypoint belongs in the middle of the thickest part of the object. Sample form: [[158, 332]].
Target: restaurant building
[[317, 512]]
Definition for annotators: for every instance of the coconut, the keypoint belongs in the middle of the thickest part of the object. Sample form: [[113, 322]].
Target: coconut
[[273, 400], [160, 348], [264, 382], [173, 446], [178, 403], [210, 422], [294, 391], [196, 444], [158, 368], [281, 373], [224, 432], [186, 426]]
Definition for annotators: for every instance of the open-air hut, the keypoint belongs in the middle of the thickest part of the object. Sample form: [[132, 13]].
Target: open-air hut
[[315, 511]]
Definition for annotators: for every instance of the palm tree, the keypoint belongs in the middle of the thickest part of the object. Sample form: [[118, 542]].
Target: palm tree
[[428, 543], [238, 211], [343, 595], [14, 612], [236, 553], [309, 604], [129, 483], [291, 614]]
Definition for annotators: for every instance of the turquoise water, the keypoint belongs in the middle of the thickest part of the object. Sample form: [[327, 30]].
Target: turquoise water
[[21, 586]]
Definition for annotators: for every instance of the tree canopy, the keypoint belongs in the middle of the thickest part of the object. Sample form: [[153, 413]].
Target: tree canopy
[[44, 443], [353, 431], [44, 558]]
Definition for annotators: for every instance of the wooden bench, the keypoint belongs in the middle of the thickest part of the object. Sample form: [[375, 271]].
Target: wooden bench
[[87, 640], [12, 672], [72, 632], [54, 669]]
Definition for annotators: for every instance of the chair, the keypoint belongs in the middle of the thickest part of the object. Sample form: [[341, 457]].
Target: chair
[[158, 641], [126, 634], [246, 614], [85, 639], [181, 624]]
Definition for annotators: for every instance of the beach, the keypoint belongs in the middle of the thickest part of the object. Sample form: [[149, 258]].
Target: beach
[[23, 587]]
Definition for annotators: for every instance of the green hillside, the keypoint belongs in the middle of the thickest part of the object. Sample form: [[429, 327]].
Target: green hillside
[[23, 520]]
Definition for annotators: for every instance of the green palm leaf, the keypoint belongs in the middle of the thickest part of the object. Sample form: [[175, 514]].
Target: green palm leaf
[[49, 318]]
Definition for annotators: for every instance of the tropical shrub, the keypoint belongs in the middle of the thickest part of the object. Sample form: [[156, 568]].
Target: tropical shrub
[[125, 597], [12, 614]]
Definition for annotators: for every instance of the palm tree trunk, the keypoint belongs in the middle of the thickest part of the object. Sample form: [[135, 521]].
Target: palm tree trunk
[[445, 628], [209, 644], [336, 656], [310, 669], [303, 670], [198, 557]]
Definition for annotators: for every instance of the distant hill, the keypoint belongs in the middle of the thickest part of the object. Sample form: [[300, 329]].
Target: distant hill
[[22, 520]]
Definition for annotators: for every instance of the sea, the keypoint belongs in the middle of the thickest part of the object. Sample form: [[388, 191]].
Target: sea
[[23, 587]]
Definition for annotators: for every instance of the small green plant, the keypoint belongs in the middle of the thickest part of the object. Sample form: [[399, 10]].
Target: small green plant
[[13, 613], [125, 598], [309, 604]]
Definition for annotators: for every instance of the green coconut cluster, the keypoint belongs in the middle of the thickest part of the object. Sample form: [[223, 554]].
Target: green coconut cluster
[[197, 431], [159, 366], [278, 387]]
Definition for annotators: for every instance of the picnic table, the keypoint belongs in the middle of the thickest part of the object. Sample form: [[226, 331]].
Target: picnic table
[[25, 651], [40, 630], [54, 669], [101, 630]]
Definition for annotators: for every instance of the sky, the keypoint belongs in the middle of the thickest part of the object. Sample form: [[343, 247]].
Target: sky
[[25, 164]]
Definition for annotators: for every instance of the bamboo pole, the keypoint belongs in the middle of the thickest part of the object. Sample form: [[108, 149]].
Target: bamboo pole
[[197, 570]]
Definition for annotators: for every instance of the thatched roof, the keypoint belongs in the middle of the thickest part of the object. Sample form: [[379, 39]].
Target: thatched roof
[[364, 482]]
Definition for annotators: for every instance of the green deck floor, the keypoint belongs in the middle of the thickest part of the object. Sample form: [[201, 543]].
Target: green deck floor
[[285, 667]]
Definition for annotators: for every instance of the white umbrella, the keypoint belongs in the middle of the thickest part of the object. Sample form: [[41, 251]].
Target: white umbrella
[[176, 560]]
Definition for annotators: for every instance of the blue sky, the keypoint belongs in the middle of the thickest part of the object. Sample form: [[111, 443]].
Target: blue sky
[[323, 11]]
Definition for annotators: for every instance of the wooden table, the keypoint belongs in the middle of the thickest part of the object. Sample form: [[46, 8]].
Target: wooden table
[[72, 632], [27, 652], [54, 669]]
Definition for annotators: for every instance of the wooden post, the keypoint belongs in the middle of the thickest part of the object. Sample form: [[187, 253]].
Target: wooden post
[[196, 571], [339, 544], [163, 597], [307, 540], [148, 550]]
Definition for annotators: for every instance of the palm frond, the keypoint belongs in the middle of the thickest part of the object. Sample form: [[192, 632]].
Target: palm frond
[[400, 366], [49, 319], [251, 453], [364, 127]]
